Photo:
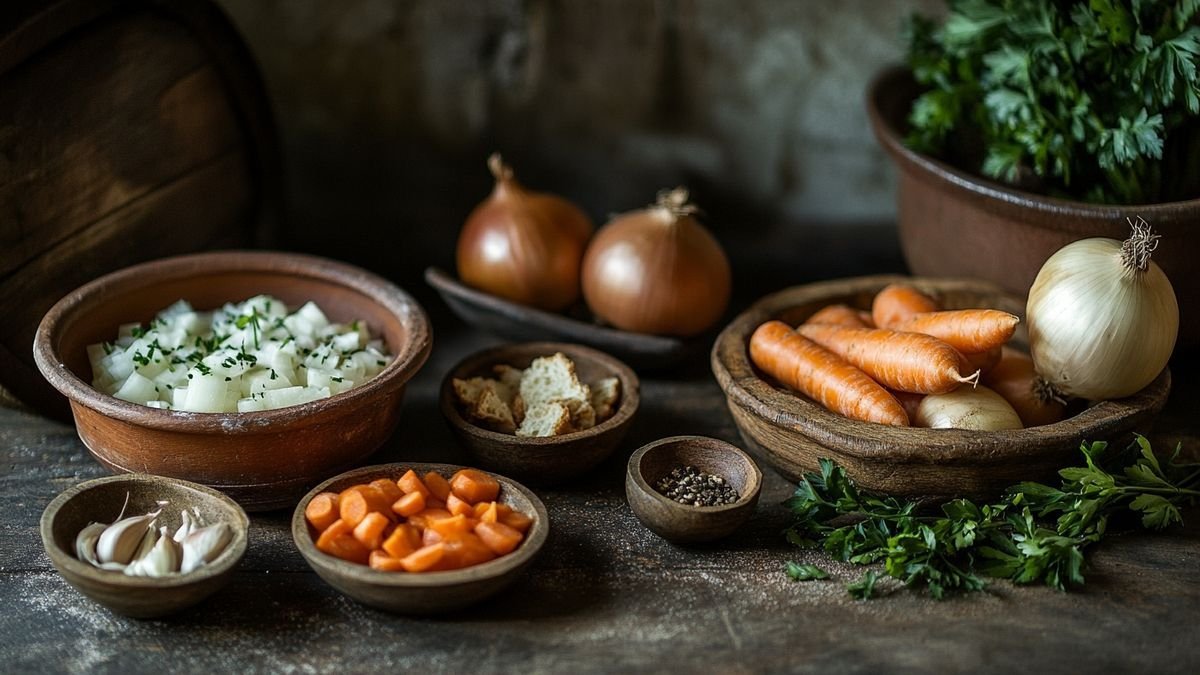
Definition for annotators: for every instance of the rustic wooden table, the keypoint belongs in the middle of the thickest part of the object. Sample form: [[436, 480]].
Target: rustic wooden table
[[606, 594]]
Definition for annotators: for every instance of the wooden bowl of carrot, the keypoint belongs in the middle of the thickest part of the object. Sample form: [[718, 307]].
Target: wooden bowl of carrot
[[428, 589], [793, 432]]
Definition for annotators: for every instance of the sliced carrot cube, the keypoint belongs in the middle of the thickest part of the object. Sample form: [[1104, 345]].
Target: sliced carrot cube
[[458, 506], [464, 551], [385, 563], [423, 558], [390, 490], [452, 526], [346, 547], [516, 520], [490, 513], [411, 482], [404, 540], [429, 536], [322, 510], [355, 503], [410, 504], [422, 518], [498, 537], [473, 486], [369, 532], [438, 485]]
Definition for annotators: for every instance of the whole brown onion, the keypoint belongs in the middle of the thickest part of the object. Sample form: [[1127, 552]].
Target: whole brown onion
[[657, 270], [523, 245]]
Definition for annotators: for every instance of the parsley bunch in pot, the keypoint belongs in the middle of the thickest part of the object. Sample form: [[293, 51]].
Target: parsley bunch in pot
[[1020, 126]]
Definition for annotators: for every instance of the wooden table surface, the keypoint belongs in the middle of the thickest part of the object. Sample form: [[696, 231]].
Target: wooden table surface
[[606, 594]]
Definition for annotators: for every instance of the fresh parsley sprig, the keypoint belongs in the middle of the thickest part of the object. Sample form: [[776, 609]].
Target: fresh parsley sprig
[[1092, 99], [1035, 534]]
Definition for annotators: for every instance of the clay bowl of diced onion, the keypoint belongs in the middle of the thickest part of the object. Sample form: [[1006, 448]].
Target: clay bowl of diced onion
[[793, 432], [427, 591], [312, 387], [550, 456]]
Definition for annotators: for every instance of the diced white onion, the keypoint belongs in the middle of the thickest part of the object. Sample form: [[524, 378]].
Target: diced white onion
[[243, 357]]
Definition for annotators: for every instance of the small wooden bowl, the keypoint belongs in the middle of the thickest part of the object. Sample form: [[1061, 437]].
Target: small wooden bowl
[[100, 500], [426, 592], [682, 523], [553, 459], [793, 433], [262, 459], [515, 321]]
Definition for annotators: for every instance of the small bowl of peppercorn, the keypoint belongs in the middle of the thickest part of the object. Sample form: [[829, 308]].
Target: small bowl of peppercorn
[[691, 489]]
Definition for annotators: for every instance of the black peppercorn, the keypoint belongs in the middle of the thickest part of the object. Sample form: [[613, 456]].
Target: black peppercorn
[[688, 485]]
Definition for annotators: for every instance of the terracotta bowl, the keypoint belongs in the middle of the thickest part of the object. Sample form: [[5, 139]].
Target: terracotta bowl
[[100, 500], [265, 459], [683, 523], [792, 432], [554, 459], [426, 592], [954, 223]]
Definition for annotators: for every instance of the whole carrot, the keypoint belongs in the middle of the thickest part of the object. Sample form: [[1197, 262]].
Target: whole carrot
[[912, 362], [804, 366], [839, 315], [983, 361], [967, 330], [1015, 379], [897, 302]]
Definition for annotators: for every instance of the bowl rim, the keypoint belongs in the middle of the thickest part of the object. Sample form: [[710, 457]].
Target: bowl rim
[[633, 470], [882, 90], [492, 569], [743, 387], [67, 563], [398, 371], [630, 394]]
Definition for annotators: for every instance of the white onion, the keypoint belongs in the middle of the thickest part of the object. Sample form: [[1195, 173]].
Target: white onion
[[1102, 317]]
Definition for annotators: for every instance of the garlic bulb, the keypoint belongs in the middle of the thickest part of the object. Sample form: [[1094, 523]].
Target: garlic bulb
[[1102, 317]]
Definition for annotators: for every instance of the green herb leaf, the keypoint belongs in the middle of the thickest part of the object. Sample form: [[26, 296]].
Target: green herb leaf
[[1078, 98], [1036, 534], [864, 588], [804, 572]]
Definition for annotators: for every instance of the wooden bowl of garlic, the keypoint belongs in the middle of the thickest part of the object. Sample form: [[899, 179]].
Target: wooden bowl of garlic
[[144, 546]]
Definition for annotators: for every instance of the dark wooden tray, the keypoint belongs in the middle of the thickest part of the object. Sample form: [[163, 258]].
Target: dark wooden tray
[[519, 322]]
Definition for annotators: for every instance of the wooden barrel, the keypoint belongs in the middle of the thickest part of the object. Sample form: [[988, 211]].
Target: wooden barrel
[[129, 130]]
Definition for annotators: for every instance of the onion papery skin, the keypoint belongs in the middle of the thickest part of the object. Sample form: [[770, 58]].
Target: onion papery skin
[[656, 271], [1097, 329], [524, 246]]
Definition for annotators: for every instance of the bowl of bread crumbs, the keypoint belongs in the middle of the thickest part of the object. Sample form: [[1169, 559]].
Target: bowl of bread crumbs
[[543, 412]]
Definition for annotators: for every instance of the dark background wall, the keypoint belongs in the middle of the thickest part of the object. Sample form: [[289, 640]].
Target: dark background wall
[[387, 110]]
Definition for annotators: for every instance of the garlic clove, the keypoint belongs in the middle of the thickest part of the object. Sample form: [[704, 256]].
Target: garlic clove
[[204, 545], [162, 558], [188, 524], [149, 539], [121, 540], [85, 543]]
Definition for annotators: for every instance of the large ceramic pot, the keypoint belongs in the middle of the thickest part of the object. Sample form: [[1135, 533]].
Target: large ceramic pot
[[956, 224]]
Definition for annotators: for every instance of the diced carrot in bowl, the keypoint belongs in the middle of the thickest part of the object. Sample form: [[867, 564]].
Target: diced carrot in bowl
[[473, 486], [417, 523]]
